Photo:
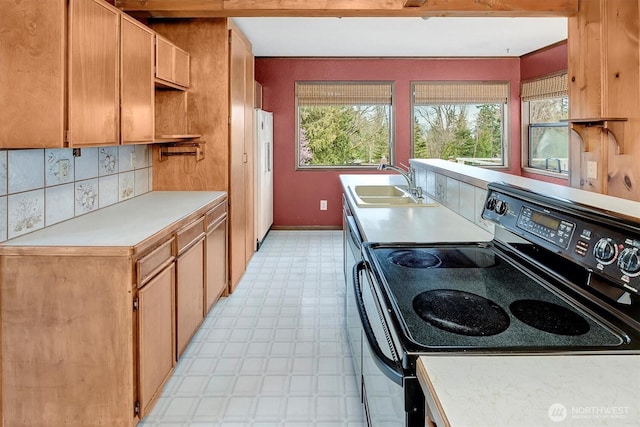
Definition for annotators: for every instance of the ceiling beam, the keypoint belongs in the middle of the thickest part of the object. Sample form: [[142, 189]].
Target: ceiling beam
[[414, 3], [344, 8]]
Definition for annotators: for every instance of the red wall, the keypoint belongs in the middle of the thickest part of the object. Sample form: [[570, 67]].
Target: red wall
[[297, 194]]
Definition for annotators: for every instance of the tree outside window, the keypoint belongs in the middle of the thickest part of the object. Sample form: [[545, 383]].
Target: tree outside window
[[460, 121], [343, 124]]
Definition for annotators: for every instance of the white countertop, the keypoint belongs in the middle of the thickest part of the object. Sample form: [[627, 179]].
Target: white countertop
[[124, 224], [480, 176], [533, 391], [426, 224]]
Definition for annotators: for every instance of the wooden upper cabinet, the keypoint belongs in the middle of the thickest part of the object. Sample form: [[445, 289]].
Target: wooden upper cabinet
[[172, 64], [136, 82], [32, 73], [94, 74], [80, 66]]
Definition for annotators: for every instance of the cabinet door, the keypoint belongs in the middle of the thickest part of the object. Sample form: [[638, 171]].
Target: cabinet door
[[93, 73], [136, 82], [181, 67], [189, 294], [155, 335], [32, 74], [242, 241], [164, 59], [216, 263]]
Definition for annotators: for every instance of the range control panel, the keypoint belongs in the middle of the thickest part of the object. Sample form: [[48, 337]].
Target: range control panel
[[612, 252]]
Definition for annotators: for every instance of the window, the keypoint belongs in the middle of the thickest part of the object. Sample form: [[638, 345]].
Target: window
[[545, 108], [460, 121], [343, 124]]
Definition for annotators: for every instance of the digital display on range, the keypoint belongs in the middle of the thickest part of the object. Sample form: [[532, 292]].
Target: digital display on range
[[545, 221]]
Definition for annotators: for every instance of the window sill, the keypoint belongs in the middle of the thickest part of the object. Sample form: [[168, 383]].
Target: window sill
[[535, 171]]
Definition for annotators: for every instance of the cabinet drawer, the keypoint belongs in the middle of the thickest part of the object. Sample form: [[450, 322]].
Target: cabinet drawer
[[214, 216], [189, 234], [156, 260]]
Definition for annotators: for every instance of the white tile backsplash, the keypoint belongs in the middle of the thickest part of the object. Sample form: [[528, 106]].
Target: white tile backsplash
[[3, 172], [467, 201], [26, 170], [453, 194], [59, 203], [107, 161], [108, 190], [3, 218], [59, 167], [86, 164], [42, 187], [25, 212], [441, 189], [126, 189]]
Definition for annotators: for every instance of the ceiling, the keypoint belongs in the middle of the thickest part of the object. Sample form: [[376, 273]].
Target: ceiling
[[400, 37]]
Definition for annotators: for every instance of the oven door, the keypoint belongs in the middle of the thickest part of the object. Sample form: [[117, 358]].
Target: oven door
[[382, 375], [352, 255]]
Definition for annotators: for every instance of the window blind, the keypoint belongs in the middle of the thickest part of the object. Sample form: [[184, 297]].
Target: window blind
[[426, 93], [548, 87], [343, 93]]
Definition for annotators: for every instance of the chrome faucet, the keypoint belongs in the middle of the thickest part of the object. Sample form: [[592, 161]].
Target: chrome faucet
[[409, 175]]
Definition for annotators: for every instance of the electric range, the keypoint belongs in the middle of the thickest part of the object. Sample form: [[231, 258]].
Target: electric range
[[558, 277]]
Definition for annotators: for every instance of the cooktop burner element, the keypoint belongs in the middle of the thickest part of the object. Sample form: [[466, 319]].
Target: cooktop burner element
[[442, 258], [461, 312], [415, 258], [549, 317]]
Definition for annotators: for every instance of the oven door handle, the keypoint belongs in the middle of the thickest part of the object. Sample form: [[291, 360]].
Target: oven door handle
[[389, 367]]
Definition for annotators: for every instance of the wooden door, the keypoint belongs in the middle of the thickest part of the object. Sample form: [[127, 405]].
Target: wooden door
[[249, 170], [32, 74], [156, 349], [216, 263], [136, 82], [189, 294], [94, 73], [237, 161]]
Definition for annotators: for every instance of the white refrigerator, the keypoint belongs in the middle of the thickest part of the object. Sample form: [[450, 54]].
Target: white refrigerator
[[263, 174]]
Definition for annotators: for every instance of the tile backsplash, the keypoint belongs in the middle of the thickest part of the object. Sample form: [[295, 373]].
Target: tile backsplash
[[42, 187]]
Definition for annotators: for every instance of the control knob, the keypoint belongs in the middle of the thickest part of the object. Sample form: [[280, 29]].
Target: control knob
[[605, 251], [501, 207], [491, 203], [629, 262]]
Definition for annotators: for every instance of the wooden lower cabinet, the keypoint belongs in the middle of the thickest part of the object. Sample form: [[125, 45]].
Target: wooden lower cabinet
[[216, 280], [67, 340], [90, 335], [156, 336], [189, 294]]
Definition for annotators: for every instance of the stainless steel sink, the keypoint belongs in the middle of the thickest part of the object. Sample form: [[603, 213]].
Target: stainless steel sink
[[387, 196]]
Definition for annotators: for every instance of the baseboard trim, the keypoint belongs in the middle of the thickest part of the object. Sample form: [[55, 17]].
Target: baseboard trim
[[305, 227]]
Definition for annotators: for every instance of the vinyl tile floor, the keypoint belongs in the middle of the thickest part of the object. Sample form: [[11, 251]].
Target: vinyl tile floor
[[273, 353]]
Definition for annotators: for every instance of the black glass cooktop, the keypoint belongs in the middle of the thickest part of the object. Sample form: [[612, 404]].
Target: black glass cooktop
[[468, 297]]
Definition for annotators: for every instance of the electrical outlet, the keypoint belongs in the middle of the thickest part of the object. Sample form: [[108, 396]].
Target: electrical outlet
[[132, 160], [323, 205], [592, 170]]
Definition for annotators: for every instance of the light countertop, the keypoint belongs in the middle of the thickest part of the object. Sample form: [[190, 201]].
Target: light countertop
[[532, 391], [481, 176], [124, 224], [426, 224]]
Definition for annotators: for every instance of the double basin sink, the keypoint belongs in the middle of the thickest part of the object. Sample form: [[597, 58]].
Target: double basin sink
[[387, 196]]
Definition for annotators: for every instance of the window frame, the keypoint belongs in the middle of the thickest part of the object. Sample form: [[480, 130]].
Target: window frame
[[526, 126], [506, 114], [392, 126]]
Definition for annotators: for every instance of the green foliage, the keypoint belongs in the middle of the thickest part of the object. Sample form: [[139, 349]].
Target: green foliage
[[450, 131], [343, 135]]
